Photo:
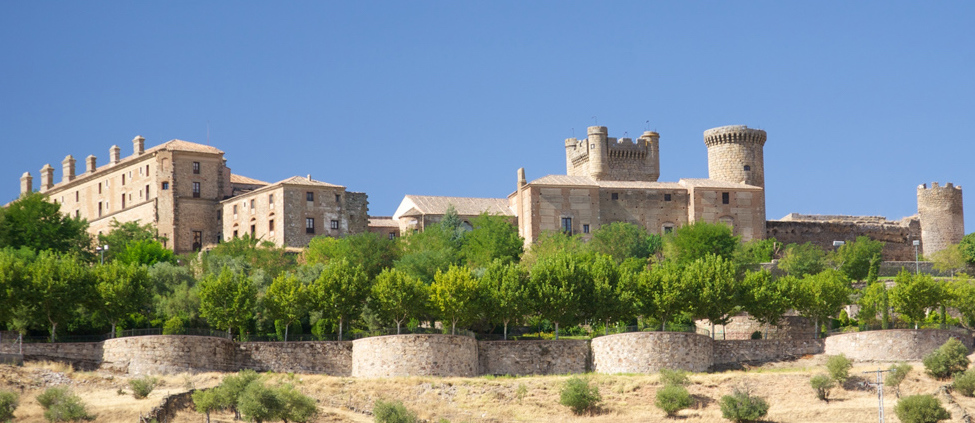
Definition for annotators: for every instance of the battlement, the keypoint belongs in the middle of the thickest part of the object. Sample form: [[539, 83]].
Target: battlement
[[935, 186], [737, 134], [615, 159]]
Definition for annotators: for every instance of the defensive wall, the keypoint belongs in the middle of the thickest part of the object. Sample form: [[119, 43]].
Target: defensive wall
[[822, 230], [463, 356]]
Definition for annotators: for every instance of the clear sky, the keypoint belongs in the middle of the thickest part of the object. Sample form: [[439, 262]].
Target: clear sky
[[863, 101]]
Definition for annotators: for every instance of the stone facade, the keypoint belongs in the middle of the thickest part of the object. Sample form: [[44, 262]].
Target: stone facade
[[518, 358], [414, 355], [80, 355], [648, 352], [603, 158], [743, 326], [733, 352], [891, 345], [168, 354], [332, 358], [822, 230], [942, 216]]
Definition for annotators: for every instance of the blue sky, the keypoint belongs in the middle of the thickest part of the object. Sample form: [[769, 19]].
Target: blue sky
[[862, 101]]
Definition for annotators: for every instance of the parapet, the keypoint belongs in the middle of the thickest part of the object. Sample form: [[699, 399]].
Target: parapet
[[935, 186], [734, 134]]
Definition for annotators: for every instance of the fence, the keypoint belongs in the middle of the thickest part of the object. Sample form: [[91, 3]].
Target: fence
[[668, 328], [408, 331], [11, 343], [897, 325]]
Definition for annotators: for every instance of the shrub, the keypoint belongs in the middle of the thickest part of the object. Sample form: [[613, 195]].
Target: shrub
[[60, 405], [673, 377], [920, 409], [741, 406], [822, 384], [673, 398], [757, 335], [579, 396], [521, 392], [174, 326], [297, 407], [948, 359], [143, 386], [965, 382], [897, 373], [839, 367], [8, 403], [259, 403], [392, 412]]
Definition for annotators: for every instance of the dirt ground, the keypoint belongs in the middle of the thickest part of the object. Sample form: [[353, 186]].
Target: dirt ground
[[626, 398]]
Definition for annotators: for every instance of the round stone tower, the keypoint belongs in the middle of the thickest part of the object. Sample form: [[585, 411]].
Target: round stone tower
[[735, 154], [942, 219]]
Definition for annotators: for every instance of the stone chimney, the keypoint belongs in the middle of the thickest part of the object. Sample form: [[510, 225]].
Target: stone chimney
[[521, 177], [26, 183], [115, 154], [90, 164], [138, 145], [67, 169], [47, 177]]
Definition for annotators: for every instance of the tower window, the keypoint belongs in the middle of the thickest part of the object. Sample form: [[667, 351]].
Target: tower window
[[196, 190], [309, 225], [725, 198], [196, 168], [335, 224], [165, 185], [666, 197], [747, 168], [567, 225], [338, 198], [615, 196], [310, 196], [585, 228]]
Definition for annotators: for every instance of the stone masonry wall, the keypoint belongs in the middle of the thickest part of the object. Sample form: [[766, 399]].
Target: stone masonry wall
[[648, 352], [742, 327], [763, 350], [891, 345], [80, 355], [897, 236], [533, 357], [332, 358], [414, 355], [168, 354]]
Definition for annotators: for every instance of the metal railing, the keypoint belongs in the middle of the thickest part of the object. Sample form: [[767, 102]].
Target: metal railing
[[408, 331], [896, 325], [667, 328]]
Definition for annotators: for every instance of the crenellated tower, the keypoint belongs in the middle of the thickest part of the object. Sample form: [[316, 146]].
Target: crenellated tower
[[601, 157], [735, 154], [942, 218]]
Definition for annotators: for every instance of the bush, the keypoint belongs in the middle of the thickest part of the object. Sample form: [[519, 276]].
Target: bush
[[579, 396], [757, 335], [839, 367], [965, 382], [673, 398], [298, 407], [174, 326], [392, 412], [921, 409], [259, 403], [143, 386], [822, 384], [897, 373], [8, 403], [741, 406], [673, 377], [948, 359], [60, 405]]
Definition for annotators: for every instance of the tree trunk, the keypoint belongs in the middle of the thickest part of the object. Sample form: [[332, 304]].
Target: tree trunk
[[398, 322], [816, 327], [556, 331], [340, 328], [453, 327], [286, 332], [54, 331], [113, 329], [208, 417], [505, 330]]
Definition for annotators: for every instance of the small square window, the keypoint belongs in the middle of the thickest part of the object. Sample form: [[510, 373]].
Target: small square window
[[310, 225], [747, 168], [585, 228], [310, 196], [668, 229], [666, 197], [615, 196], [335, 224], [196, 168], [725, 198], [165, 185]]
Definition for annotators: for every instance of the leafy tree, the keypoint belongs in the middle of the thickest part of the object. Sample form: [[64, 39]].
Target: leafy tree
[[756, 251], [551, 243], [373, 251], [232, 388], [286, 300], [921, 409], [964, 383], [663, 292], [253, 253], [227, 300], [822, 295], [718, 295], [839, 367], [896, 375], [492, 238], [967, 247], [33, 222], [454, 294], [912, 295], [207, 401], [874, 300], [13, 282], [297, 406], [948, 359], [822, 384], [673, 398], [392, 412], [951, 259], [259, 403], [608, 302], [434, 249], [123, 234], [962, 294], [766, 298], [398, 296], [507, 286], [56, 284], [854, 258], [122, 289], [623, 240], [8, 403], [145, 252], [803, 259], [560, 285], [691, 242], [340, 292]]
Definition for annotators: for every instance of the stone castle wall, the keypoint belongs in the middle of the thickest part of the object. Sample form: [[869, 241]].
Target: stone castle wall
[[80, 355], [897, 236], [327, 357], [533, 357], [742, 327], [764, 350], [942, 216], [891, 345], [648, 352], [414, 355], [168, 354]]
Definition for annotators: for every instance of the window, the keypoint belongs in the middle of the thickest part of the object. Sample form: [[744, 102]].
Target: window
[[196, 168], [123, 179], [309, 225], [335, 224], [77, 213], [235, 210], [668, 229], [252, 205], [196, 190], [147, 191], [270, 226], [666, 197], [392, 235], [615, 196], [253, 231], [123, 200], [567, 225], [147, 170], [310, 196], [165, 186], [235, 233], [725, 198], [270, 200], [585, 228], [99, 187], [197, 240], [76, 196], [99, 209], [338, 198], [747, 168]]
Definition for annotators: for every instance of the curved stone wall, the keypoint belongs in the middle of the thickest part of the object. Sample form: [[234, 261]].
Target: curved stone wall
[[168, 354], [414, 355], [648, 352], [333, 358], [742, 327], [532, 357], [892, 344]]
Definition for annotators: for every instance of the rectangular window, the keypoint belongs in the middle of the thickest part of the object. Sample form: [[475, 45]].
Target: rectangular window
[[668, 229], [196, 168], [196, 190], [615, 196], [252, 205], [235, 234], [585, 228], [309, 196], [77, 213], [338, 198], [725, 198], [197, 240], [335, 224], [253, 231], [123, 201], [666, 197], [76, 197], [567, 225], [99, 187], [270, 200], [165, 186], [392, 235], [235, 210], [147, 170], [147, 191], [123, 179], [270, 226], [99, 209], [309, 225]]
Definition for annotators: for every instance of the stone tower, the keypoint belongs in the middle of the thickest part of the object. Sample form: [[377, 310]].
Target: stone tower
[[942, 219], [603, 158], [735, 154]]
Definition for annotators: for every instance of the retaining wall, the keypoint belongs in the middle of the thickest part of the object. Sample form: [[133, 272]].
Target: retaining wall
[[533, 357], [891, 344], [168, 354], [763, 350], [742, 327], [80, 355], [414, 355], [333, 358], [648, 352]]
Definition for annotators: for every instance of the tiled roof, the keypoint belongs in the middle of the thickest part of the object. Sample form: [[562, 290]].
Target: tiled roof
[[382, 222], [711, 183], [564, 180], [422, 204], [180, 145], [302, 180], [640, 184], [241, 179]]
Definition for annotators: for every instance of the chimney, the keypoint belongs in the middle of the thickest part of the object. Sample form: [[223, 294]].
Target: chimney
[[521, 177], [138, 145], [90, 162], [115, 154], [67, 169], [26, 183], [47, 177]]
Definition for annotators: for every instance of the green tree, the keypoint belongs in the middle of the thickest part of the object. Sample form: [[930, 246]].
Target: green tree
[[122, 289], [33, 222], [560, 285], [691, 242], [913, 294], [766, 298], [434, 249], [454, 294], [56, 285], [963, 297], [551, 243], [950, 358], [373, 251], [803, 259], [8, 403], [13, 283], [286, 300], [340, 292], [507, 286], [259, 403], [854, 258], [492, 238], [756, 251], [967, 247], [145, 252], [252, 253], [579, 395], [207, 401], [742, 407], [298, 407], [718, 295], [663, 292], [822, 295], [951, 259], [123, 234], [623, 240], [227, 300], [608, 291], [875, 300], [921, 409], [399, 296]]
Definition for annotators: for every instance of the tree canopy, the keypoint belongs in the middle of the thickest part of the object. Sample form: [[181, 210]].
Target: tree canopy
[[35, 223]]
